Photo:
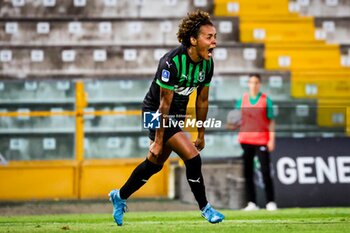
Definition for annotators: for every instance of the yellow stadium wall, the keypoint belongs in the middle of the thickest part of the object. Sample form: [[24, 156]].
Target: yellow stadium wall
[[52, 180], [98, 177], [37, 180]]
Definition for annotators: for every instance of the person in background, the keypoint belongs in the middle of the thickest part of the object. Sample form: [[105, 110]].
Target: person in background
[[257, 137]]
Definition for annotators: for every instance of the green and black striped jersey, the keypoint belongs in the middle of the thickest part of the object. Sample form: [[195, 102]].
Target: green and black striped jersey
[[176, 71]]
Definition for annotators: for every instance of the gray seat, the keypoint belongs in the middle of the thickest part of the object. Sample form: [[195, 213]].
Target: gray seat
[[116, 60], [298, 115], [337, 30], [104, 32], [37, 147], [130, 89], [27, 124], [113, 123], [100, 9], [223, 144], [345, 51], [320, 8], [226, 87], [115, 146], [37, 91]]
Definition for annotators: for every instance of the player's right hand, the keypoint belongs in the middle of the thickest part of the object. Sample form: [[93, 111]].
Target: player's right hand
[[156, 149]]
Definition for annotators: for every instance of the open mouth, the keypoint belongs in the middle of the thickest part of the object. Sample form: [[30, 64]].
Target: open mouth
[[210, 52]]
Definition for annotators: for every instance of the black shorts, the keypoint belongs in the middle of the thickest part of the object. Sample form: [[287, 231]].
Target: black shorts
[[168, 133]]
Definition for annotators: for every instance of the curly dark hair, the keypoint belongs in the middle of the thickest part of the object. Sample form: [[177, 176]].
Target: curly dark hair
[[189, 26]]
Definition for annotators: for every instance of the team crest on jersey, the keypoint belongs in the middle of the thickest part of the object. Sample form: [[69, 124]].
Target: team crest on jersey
[[201, 76], [165, 75]]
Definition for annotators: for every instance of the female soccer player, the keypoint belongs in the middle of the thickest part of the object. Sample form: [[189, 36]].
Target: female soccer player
[[257, 137], [180, 71]]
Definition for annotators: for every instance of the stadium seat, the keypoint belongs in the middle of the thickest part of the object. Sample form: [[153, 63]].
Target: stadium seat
[[337, 30], [116, 60], [37, 147], [226, 142], [296, 116], [345, 54], [111, 146], [251, 7], [103, 32], [27, 124], [283, 56], [238, 57], [277, 29], [113, 123], [109, 90], [28, 96], [320, 84], [227, 87], [323, 8], [97, 9], [35, 91], [332, 112]]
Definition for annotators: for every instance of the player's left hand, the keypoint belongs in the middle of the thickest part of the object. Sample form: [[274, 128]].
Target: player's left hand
[[199, 144]]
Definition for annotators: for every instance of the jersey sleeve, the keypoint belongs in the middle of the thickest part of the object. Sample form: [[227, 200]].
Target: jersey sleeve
[[269, 110], [210, 73], [166, 75]]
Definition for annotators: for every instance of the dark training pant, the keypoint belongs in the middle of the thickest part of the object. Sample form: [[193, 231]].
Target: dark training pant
[[264, 158]]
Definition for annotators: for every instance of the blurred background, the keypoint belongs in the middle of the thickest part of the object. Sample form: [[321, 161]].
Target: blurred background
[[73, 74]]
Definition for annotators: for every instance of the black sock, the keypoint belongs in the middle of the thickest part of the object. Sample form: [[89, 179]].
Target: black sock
[[195, 180], [139, 177]]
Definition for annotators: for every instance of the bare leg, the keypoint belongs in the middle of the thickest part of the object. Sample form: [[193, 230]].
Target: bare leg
[[182, 146]]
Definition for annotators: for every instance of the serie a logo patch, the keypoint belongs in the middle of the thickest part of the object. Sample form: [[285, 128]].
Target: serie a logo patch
[[165, 75]]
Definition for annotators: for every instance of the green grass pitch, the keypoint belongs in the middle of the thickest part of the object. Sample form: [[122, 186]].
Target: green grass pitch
[[330, 220]]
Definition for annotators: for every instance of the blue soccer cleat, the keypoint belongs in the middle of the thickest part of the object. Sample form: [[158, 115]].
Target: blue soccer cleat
[[212, 215], [119, 206]]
